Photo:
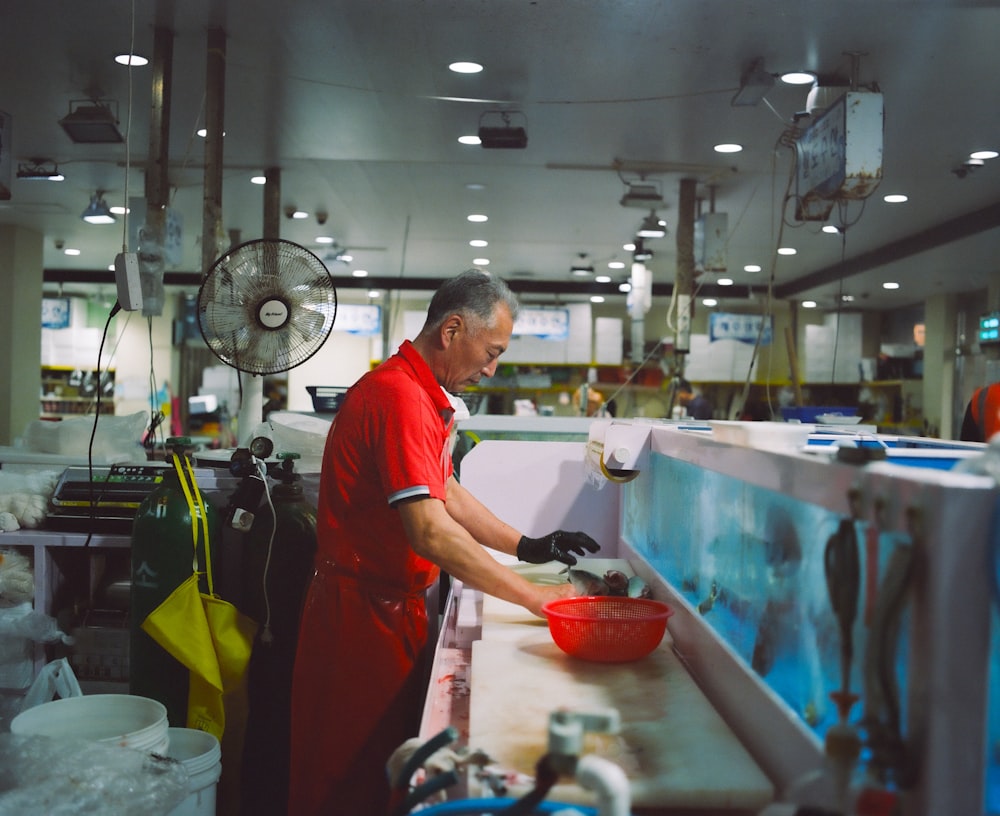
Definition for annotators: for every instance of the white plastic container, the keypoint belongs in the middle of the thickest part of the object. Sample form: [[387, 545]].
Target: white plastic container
[[117, 719], [200, 754]]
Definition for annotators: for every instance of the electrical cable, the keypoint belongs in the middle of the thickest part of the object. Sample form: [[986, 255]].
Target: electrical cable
[[266, 636]]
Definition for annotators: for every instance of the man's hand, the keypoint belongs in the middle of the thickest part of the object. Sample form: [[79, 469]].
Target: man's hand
[[557, 546]]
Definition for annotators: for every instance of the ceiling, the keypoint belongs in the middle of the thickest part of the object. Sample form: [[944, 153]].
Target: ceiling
[[353, 101]]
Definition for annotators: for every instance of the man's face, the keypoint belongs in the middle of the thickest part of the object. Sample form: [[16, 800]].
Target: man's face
[[474, 350]]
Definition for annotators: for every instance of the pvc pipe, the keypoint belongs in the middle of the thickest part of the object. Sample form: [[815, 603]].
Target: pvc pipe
[[608, 781]]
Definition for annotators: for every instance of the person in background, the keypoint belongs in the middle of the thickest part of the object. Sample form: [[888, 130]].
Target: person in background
[[695, 405], [391, 516], [982, 415]]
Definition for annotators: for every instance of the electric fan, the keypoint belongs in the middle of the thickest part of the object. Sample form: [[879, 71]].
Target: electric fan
[[265, 306]]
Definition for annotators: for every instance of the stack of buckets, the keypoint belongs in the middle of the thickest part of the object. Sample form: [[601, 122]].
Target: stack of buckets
[[133, 722]]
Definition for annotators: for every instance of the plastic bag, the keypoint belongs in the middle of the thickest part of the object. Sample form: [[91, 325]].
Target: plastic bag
[[44, 776], [56, 680]]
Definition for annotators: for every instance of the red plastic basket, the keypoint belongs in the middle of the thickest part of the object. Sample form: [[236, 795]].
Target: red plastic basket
[[607, 629]]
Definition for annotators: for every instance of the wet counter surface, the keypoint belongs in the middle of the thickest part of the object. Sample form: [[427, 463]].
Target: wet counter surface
[[497, 675]]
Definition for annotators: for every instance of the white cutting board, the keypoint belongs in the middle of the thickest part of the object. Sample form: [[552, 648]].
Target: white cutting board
[[676, 751], [674, 747]]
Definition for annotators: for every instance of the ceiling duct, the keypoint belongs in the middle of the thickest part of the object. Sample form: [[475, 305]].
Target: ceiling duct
[[641, 194], [91, 122]]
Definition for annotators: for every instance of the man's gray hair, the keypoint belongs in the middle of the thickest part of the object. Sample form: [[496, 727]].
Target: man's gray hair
[[474, 293]]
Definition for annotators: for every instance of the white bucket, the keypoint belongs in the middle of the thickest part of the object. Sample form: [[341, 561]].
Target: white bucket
[[116, 719], [200, 754]]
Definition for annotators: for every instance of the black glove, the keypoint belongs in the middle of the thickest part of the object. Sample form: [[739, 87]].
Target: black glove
[[557, 546]]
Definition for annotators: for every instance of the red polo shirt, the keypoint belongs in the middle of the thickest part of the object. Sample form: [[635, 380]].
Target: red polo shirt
[[357, 690]]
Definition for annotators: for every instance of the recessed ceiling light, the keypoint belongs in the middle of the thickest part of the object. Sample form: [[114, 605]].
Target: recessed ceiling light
[[475, 185], [625, 287], [465, 67], [480, 261], [831, 229], [345, 257], [984, 154], [118, 209], [360, 273], [786, 250], [894, 198], [374, 293], [602, 278], [471, 139], [709, 302], [808, 304], [324, 239], [798, 78], [725, 281], [751, 268], [131, 59], [204, 132], [596, 299], [298, 215], [890, 285], [478, 218], [478, 242], [847, 298], [616, 264], [628, 247], [71, 251], [728, 147], [258, 179]]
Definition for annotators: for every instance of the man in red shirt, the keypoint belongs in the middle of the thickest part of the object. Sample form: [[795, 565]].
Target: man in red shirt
[[982, 414], [391, 515]]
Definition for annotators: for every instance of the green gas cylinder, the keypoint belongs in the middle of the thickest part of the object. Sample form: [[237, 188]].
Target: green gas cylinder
[[278, 564], [162, 558]]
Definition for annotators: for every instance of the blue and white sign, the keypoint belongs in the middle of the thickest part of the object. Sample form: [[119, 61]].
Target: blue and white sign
[[55, 313], [549, 324], [359, 319], [743, 328]]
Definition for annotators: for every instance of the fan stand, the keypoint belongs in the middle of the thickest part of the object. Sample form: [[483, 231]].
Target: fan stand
[[251, 409]]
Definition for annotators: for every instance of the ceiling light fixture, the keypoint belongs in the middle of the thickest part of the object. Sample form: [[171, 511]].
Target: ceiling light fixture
[[465, 67], [642, 194], [894, 198], [798, 78], [502, 135], [581, 268], [641, 253], [710, 302], [91, 122], [982, 155], [751, 268], [754, 85], [477, 218], [39, 169], [135, 60], [97, 211], [728, 147], [651, 227]]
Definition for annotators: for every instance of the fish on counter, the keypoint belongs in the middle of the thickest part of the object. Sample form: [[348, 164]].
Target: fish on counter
[[613, 582]]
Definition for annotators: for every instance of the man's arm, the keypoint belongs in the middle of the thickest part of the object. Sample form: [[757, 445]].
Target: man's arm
[[435, 535]]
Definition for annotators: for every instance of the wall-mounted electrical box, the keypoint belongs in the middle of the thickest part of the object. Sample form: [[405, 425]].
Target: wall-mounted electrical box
[[839, 156]]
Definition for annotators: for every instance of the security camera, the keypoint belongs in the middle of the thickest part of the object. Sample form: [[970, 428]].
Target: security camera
[[289, 211], [321, 217], [60, 243]]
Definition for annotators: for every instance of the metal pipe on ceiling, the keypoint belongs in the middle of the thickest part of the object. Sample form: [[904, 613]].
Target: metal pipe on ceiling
[[215, 105]]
